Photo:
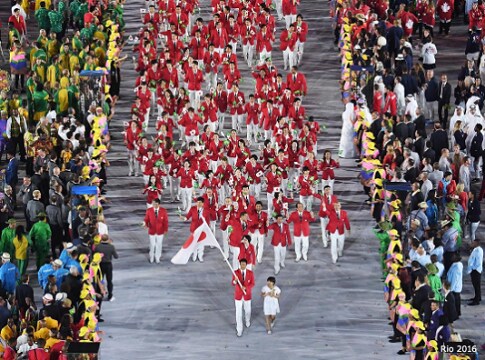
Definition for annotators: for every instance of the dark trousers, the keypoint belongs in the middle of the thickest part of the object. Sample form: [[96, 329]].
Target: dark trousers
[[19, 81], [447, 261], [445, 27], [14, 142], [443, 113], [476, 277], [457, 297], [107, 270], [56, 240]]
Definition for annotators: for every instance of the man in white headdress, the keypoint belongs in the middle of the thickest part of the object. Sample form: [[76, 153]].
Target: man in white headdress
[[472, 118], [411, 106], [346, 148]]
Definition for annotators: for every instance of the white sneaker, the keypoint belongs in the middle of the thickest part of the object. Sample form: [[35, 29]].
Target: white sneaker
[[201, 259], [283, 265], [112, 299], [239, 334], [269, 332], [305, 258], [248, 323], [276, 272], [297, 259], [325, 244]]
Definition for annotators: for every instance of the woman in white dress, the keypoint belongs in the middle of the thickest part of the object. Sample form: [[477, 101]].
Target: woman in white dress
[[347, 149], [271, 306]]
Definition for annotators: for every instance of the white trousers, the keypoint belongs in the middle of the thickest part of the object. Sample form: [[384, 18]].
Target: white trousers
[[248, 52], [235, 256], [156, 242], [337, 246], [147, 119], [211, 80], [307, 202], [174, 187], [270, 197], [279, 257], [220, 118], [255, 190], [194, 96], [240, 304], [225, 243], [290, 19], [279, 8], [323, 226], [301, 247], [237, 121], [252, 132], [132, 163], [300, 47], [186, 197], [289, 58], [234, 46], [264, 54], [257, 239], [198, 253]]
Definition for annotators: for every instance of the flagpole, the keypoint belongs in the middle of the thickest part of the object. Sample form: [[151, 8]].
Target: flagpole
[[227, 261], [232, 270]]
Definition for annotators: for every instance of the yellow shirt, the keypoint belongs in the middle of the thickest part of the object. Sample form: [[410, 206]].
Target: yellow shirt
[[51, 342], [7, 333], [52, 75], [51, 323], [42, 334], [63, 98], [21, 247]]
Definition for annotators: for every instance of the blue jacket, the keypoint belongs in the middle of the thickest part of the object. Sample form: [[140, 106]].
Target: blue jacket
[[9, 275], [12, 172], [43, 274]]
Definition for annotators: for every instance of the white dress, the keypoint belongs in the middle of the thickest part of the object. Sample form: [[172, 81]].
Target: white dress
[[271, 305], [347, 149]]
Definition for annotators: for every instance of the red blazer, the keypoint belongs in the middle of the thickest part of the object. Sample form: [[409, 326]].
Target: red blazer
[[298, 85], [282, 238], [297, 116], [252, 111], [219, 40], [252, 172], [194, 79], [305, 186], [247, 253], [211, 61], [156, 225], [302, 31], [264, 41], [198, 49], [287, 40], [193, 214], [289, 7], [186, 177], [155, 20], [236, 103], [248, 283], [325, 206], [301, 227], [273, 180], [221, 100], [237, 231], [258, 222], [338, 224]]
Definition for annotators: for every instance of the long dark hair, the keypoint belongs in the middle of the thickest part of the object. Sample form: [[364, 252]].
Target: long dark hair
[[19, 231]]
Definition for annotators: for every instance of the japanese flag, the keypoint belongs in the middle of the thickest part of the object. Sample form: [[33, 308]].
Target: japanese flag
[[202, 236]]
